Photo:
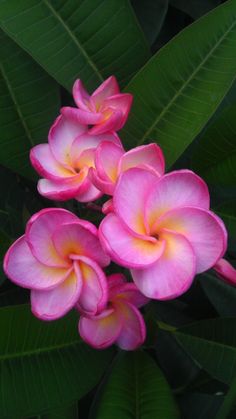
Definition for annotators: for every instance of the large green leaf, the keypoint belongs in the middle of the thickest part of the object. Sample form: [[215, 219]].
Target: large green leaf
[[212, 343], [200, 405], [29, 101], [195, 8], [43, 364], [215, 157], [179, 89], [151, 14], [87, 39], [136, 388]]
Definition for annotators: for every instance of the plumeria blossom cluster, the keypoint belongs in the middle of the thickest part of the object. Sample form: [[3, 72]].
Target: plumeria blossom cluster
[[157, 225]]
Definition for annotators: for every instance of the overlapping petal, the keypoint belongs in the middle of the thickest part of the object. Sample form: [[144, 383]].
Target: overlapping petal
[[25, 270], [172, 274], [102, 330], [126, 248], [133, 332], [148, 156], [203, 229], [226, 271], [55, 303]]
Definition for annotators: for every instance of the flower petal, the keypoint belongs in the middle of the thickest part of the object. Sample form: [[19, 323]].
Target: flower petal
[[93, 297], [55, 303], [45, 163], [82, 117], [75, 239], [108, 88], [146, 156], [130, 196], [39, 231], [120, 102], [180, 188], [125, 248], [100, 331], [80, 94], [225, 271], [172, 274], [203, 229], [133, 332], [24, 270], [63, 190], [91, 193], [87, 141], [107, 158], [111, 122], [127, 291], [61, 136]]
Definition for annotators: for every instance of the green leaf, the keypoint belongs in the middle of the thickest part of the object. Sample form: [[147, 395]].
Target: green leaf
[[136, 388], [228, 408], [201, 406], [179, 89], [29, 101], [43, 364], [195, 8], [87, 39], [69, 412], [151, 14], [221, 295], [215, 156], [212, 343], [227, 211]]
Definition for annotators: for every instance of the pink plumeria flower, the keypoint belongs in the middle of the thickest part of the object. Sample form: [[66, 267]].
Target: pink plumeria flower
[[225, 271], [120, 322], [59, 259], [106, 109], [162, 230], [65, 161], [111, 160]]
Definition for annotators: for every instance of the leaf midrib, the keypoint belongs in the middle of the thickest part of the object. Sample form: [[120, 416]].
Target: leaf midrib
[[76, 41], [178, 93], [17, 107], [38, 351]]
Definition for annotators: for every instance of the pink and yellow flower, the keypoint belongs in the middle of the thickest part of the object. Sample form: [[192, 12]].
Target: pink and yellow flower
[[120, 322], [65, 161], [226, 271], [59, 258], [106, 109], [111, 160], [162, 229]]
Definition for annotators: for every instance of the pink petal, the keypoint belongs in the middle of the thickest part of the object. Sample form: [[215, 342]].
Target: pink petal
[[107, 158], [108, 88], [55, 303], [91, 193], [75, 239], [100, 331], [203, 229], [126, 291], [87, 141], [177, 189], [106, 187], [93, 297], [81, 96], [61, 136], [126, 248], [120, 102], [39, 231], [130, 197], [24, 270], [112, 120], [115, 280], [172, 274], [82, 117], [45, 163], [144, 156], [63, 190], [225, 271], [133, 332], [108, 207]]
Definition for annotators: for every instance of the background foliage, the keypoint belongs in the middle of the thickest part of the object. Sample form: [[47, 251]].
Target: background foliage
[[178, 59]]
